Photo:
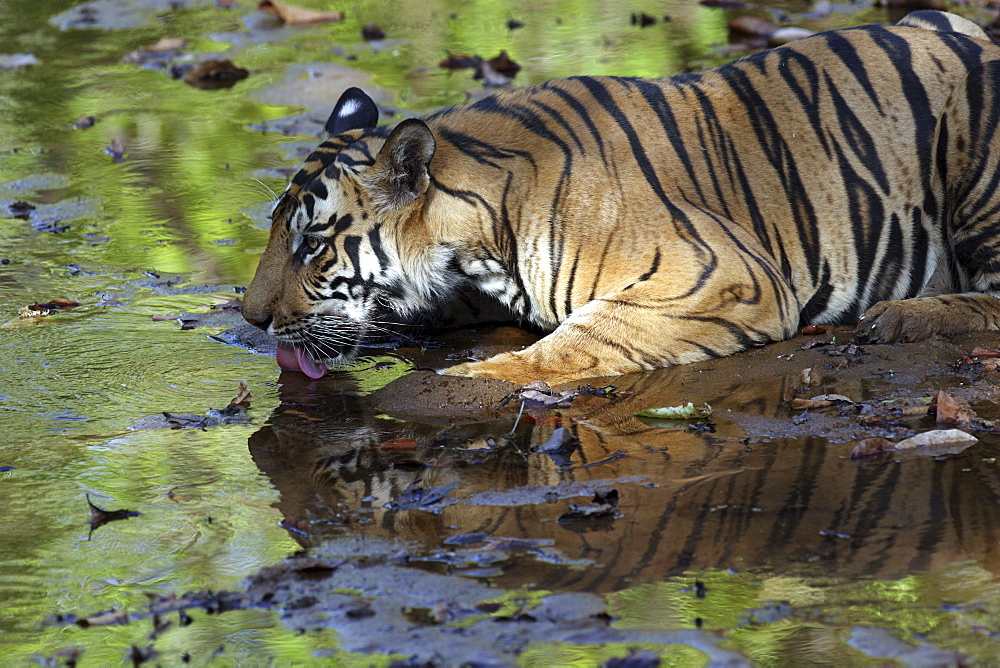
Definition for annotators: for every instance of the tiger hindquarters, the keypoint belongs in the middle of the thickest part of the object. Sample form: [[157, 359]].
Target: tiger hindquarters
[[724, 299], [967, 182]]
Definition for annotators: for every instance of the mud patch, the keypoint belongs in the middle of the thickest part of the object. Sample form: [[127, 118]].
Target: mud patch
[[378, 606]]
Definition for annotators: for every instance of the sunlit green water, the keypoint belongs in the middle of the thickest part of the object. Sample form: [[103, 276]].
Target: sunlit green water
[[185, 201]]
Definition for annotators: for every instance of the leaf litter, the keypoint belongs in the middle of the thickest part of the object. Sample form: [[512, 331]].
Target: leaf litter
[[234, 413]]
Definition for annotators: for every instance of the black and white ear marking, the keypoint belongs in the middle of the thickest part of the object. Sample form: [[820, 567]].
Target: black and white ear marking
[[354, 111]]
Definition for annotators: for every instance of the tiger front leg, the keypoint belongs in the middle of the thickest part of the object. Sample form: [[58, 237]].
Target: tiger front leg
[[923, 317], [718, 304]]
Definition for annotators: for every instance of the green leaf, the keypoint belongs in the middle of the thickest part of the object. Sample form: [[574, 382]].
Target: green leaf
[[686, 412]]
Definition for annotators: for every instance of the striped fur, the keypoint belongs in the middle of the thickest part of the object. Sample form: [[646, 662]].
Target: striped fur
[[649, 223]]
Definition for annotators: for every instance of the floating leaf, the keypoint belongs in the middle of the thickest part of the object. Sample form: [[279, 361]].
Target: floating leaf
[[99, 516], [372, 32], [457, 61], [164, 44], [54, 305], [295, 15], [642, 19], [497, 71], [687, 411], [116, 149], [214, 73]]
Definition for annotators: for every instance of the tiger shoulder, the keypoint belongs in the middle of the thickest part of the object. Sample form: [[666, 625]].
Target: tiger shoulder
[[847, 177]]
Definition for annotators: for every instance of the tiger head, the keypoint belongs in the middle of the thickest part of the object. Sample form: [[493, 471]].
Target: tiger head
[[350, 252]]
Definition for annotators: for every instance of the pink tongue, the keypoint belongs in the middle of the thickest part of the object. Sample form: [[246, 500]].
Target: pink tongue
[[295, 359]]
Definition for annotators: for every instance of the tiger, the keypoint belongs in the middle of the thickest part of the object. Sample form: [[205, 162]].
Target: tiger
[[642, 223]]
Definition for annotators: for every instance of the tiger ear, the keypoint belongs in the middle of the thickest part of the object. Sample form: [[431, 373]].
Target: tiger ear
[[400, 174], [354, 111]]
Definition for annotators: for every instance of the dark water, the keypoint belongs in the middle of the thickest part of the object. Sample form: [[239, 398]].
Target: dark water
[[760, 520]]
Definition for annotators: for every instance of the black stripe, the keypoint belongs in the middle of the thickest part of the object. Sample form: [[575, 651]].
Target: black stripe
[[351, 245], [375, 239], [480, 151], [582, 112], [342, 223], [808, 97], [842, 47], [856, 135], [685, 230], [820, 299], [771, 139], [657, 101]]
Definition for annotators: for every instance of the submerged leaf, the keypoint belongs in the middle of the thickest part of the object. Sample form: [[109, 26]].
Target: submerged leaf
[[214, 73], [867, 447], [397, 444]]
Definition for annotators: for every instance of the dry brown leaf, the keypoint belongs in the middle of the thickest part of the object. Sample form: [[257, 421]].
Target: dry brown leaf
[[295, 15], [243, 397], [397, 444], [867, 447], [55, 304], [819, 401], [814, 329], [949, 410], [810, 377]]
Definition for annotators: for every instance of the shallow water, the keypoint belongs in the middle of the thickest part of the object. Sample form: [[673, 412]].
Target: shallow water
[[794, 544]]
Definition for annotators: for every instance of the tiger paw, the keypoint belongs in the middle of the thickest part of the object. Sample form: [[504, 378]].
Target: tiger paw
[[506, 367], [923, 317]]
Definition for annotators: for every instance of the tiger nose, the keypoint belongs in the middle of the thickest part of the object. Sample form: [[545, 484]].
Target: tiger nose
[[263, 324]]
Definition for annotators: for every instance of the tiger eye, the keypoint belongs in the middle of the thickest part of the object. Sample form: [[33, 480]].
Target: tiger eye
[[313, 242]]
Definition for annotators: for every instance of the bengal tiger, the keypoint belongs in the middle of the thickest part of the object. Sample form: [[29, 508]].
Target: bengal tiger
[[645, 223]]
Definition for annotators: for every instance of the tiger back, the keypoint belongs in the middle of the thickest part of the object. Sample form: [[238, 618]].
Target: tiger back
[[648, 223]]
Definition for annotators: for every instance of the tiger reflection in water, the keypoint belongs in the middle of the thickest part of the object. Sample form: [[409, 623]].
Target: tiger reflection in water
[[715, 502]]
